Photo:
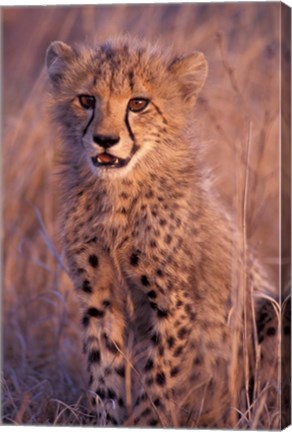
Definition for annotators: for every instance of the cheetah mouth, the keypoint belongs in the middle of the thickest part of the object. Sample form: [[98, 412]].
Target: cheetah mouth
[[107, 160]]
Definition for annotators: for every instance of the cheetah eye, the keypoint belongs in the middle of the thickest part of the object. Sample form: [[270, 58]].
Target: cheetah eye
[[137, 104], [87, 102]]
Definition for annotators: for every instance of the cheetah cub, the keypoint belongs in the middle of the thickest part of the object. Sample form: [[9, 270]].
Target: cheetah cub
[[149, 251]]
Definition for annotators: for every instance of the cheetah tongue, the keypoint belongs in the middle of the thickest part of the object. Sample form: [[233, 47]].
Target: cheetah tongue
[[106, 158]]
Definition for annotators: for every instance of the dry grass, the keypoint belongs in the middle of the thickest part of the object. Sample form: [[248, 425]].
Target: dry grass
[[238, 113]]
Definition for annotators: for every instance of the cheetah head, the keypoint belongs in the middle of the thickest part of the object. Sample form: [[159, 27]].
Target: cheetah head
[[122, 104]]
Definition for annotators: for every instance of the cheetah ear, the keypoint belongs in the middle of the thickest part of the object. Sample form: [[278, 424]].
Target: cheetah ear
[[191, 72], [58, 54]]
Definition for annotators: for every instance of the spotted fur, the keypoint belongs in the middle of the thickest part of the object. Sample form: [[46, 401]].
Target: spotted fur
[[150, 251]]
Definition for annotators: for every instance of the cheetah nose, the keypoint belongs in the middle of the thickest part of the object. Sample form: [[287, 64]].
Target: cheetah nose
[[106, 141]]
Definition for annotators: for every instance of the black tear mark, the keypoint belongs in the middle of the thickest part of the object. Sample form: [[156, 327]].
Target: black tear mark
[[88, 124], [159, 112], [129, 127]]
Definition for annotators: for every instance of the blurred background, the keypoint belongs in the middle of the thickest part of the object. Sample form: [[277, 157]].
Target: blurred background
[[237, 120]]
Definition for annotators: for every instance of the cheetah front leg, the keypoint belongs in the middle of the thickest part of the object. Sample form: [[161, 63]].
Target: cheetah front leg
[[172, 317], [104, 325]]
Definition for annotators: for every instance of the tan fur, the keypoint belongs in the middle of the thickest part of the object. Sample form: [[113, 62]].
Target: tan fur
[[150, 251]]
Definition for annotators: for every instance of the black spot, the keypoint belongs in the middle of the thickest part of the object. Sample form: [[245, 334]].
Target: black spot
[[144, 280], [101, 393], [93, 401], [80, 270], [120, 371], [287, 330], [144, 396], [86, 286], [146, 412], [153, 422], [160, 379], [94, 356], [136, 420], [114, 421], [91, 240], [111, 394], [138, 401], [85, 321], [149, 365], [106, 303], [170, 342], [111, 347], [178, 351], [151, 294], [159, 272], [107, 371], [182, 333], [192, 316], [162, 222], [161, 350], [153, 305], [168, 239], [155, 338], [93, 260], [90, 379], [162, 313], [197, 360], [131, 79], [123, 210], [124, 195], [111, 419], [121, 402], [79, 251], [95, 312], [157, 402], [174, 371], [149, 194], [188, 308], [134, 260], [149, 382], [271, 331], [179, 303]]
